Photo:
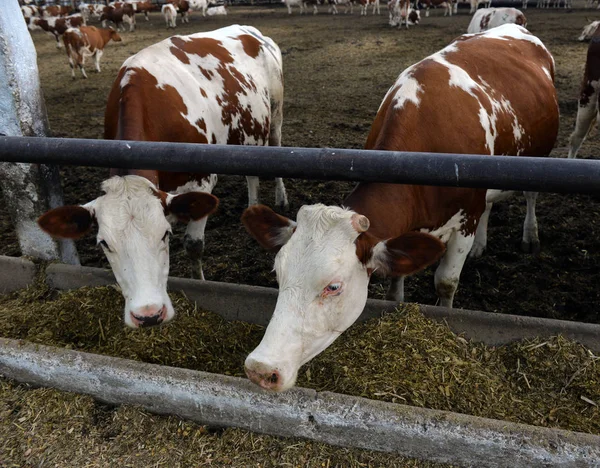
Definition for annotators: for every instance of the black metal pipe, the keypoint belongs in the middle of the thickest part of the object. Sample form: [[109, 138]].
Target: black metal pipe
[[458, 170]]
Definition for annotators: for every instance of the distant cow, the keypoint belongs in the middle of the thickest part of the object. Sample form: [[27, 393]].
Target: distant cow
[[488, 18], [587, 110], [475, 4], [56, 26], [144, 7], [333, 4], [219, 87], [589, 31], [55, 10], [401, 12], [119, 15], [183, 8], [303, 4], [364, 4], [445, 4], [170, 14], [30, 11], [327, 255], [216, 10], [87, 41]]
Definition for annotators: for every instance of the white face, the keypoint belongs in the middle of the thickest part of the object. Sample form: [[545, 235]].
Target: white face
[[134, 235], [589, 31], [322, 291]]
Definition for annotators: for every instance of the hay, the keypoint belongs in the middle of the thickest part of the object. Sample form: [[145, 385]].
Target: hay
[[402, 357]]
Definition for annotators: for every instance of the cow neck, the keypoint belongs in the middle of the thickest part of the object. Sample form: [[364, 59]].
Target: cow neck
[[390, 207]]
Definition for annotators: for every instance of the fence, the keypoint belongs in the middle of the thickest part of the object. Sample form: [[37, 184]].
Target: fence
[[457, 170]]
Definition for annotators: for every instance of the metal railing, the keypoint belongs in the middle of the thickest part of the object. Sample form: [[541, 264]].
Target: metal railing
[[457, 170]]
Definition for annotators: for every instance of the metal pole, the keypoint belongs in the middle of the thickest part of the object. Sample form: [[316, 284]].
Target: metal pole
[[457, 170]]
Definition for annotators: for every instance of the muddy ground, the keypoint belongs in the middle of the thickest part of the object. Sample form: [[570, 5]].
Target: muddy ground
[[337, 70]]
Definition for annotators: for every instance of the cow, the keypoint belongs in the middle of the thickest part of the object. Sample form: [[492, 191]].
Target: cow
[[475, 5], [220, 87], [56, 26], [364, 4], [144, 7], [170, 14], [30, 11], [183, 8], [488, 18], [326, 257], [401, 12], [87, 41], [216, 10], [303, 4], [55, 10], [119, 15], [349, 4], [589, 31], [587, 108], [446, 4]]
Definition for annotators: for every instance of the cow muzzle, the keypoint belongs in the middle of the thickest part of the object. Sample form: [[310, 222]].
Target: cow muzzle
[[267, 376], [149, 315]]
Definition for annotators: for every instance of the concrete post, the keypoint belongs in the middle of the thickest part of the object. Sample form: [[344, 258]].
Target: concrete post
[[28, 189]]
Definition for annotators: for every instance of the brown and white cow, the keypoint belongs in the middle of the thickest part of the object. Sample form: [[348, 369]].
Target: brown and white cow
[[30, 11], [183, 8], [87, 41], [364, 4], [144, 7], [220, 87], [445, 4], [587, 110], [169, 12], [333, 4], [326, 257], [89, 11], [401, 12], [55, 10], [303, 4], [588, 31], [119, 15], [488, 18], [56, 26]]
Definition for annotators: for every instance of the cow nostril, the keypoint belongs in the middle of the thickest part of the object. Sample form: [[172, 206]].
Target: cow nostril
[[274, 378]]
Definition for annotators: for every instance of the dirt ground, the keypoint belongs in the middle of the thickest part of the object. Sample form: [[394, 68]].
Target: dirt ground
[[337, 70]]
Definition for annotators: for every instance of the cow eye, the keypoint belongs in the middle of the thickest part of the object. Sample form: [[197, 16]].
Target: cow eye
[[105, 245], [166, 236], [333, 289]]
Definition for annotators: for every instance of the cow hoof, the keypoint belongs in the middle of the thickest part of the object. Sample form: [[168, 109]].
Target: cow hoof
[[531, 247], [476, 251]]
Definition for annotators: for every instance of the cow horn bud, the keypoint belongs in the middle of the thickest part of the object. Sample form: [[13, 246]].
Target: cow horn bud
[[360, 223]]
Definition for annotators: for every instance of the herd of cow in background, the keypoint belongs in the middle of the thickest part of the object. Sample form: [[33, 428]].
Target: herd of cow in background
[[232, 93]]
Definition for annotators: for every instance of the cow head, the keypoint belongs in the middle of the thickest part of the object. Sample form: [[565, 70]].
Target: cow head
[[323, 267], [133, 232], [589, 31], [414, 17], [114, 35]]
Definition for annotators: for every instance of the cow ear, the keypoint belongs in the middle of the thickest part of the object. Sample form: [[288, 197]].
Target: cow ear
[[67, 222], [406, 254], [269, 229], [190, 206]]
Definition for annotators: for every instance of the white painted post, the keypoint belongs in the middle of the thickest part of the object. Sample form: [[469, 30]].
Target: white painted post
[[29, 189]]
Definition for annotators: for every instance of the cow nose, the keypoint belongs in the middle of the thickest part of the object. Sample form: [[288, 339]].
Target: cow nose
[[268, 380], [149, 316]]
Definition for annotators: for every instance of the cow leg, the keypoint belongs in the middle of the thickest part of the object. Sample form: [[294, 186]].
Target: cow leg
[[57, 37], [193, 243], [82, 70], [480, 243], [97, 57], [289, 9], [448, 272], [396, 291], [427, 11], [531, 240], [586, 116], [146, 16], [315, 10], [253, 186], [72, 65]]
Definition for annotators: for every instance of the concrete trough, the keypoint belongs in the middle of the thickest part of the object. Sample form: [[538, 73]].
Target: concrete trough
[[218, 400]]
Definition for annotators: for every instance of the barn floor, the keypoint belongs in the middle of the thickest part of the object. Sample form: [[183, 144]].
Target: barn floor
[[337, 69]]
